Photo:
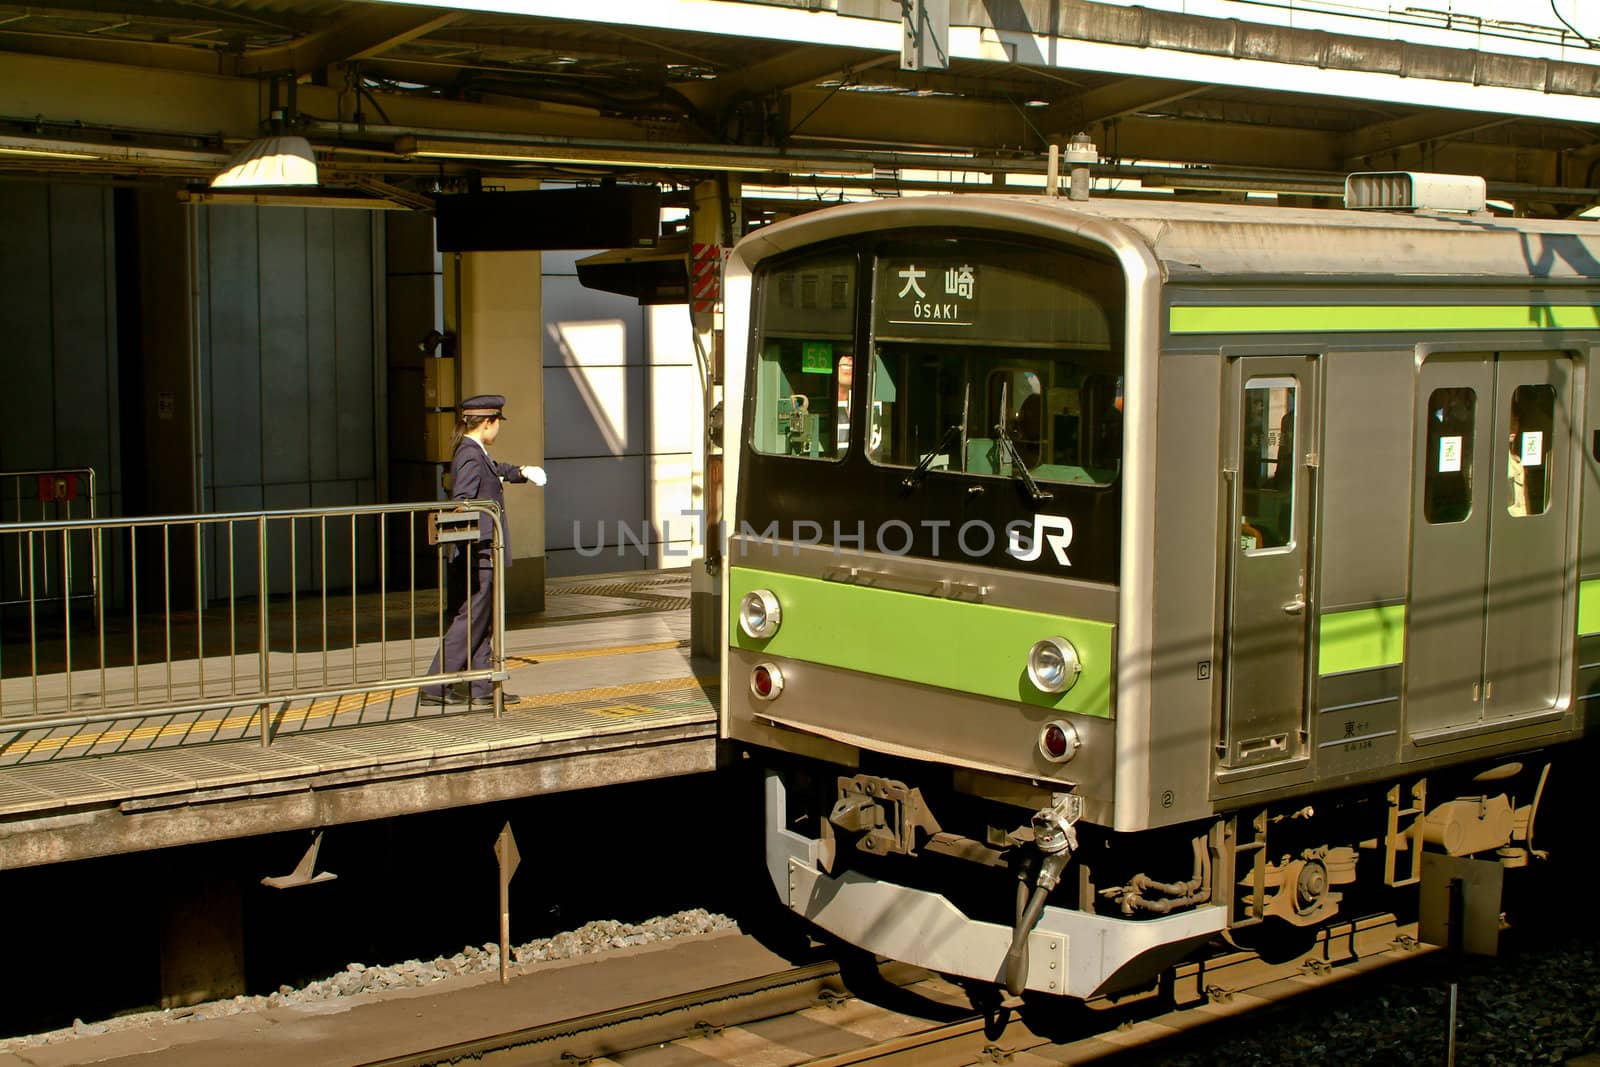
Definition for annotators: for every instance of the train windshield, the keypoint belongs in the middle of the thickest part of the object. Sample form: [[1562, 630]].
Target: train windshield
[[987, 359]]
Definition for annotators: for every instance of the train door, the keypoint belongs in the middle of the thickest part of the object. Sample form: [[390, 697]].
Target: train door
[[1454, 462], [1489, 531], [1268, 439]]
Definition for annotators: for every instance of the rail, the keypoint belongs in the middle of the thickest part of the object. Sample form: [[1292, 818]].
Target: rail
[[45, 495], [239, 610]]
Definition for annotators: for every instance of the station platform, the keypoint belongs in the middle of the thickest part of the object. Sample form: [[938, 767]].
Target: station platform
[[609, 694]]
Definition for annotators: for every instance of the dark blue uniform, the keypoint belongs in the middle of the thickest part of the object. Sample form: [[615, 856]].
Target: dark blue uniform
[[474, 475]]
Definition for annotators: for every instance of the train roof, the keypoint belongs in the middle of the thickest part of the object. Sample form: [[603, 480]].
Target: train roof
[[1237, 242]]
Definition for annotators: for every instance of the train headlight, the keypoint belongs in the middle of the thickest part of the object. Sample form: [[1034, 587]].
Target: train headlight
[[1058, 741], [766, 681], [760, 614], [1053, 665]]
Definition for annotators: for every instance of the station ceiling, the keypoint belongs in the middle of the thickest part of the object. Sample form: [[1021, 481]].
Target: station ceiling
[[404, 102]]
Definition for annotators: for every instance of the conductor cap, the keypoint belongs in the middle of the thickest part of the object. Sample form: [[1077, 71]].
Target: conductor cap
[[486, 404]]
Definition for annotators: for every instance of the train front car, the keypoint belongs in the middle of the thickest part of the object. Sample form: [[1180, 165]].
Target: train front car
[[940, 441]]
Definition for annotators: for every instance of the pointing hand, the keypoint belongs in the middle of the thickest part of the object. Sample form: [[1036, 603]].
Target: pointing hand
[[534, 474]]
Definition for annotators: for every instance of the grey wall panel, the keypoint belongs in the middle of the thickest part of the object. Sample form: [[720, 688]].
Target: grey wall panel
[[583, 494], [595, 411], [352, 232], [321, 345], [286, 430], [1366, 478], [235, 353], [565, 562], [589, 326], [27, 404]]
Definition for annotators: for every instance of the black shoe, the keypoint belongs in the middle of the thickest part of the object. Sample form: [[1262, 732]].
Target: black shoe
[[452, 695], [486, 700]]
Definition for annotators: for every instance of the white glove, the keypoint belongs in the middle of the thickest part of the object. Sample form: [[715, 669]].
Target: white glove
[[534, 475]]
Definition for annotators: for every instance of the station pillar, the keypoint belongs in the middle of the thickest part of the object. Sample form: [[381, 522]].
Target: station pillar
[[493, 305], [714, 220]]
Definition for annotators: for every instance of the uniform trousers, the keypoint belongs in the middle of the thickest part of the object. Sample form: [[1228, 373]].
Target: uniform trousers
[[474, 633]]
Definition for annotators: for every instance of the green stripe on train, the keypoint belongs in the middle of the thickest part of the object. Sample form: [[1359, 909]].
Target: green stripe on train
[[1589, 606], [1361, 639], [972, 648], [1351, 318]]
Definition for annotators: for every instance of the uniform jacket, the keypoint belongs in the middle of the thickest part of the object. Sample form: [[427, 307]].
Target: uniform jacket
[[474, 476]]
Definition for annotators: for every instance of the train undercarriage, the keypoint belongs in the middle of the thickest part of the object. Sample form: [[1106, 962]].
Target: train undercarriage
[[893, 859]]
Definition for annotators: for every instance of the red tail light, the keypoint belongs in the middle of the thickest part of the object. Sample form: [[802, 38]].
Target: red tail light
[[766, 681]]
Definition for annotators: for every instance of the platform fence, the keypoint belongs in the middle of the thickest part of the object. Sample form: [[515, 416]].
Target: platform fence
[[46, 495], [222, 612]]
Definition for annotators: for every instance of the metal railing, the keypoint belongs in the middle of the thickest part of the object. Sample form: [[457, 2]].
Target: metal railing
[[46, 495], [255, 610]]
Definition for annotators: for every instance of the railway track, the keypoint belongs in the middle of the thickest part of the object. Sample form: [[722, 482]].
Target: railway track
[[823, 1016]]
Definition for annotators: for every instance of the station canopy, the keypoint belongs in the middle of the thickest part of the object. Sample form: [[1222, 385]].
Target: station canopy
[[807, 101]]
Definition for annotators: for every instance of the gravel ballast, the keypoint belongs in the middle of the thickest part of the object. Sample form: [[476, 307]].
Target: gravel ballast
[[358, 978]]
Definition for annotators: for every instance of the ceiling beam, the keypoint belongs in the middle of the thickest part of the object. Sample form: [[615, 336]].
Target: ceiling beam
[[799, 67], [194, 60], [1123, 97], [1395, 135], [365, 32]]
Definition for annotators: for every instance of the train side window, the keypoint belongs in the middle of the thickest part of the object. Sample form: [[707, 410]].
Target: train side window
[[1447, 476], [1533, 411], [804, 369], [1267, 468]]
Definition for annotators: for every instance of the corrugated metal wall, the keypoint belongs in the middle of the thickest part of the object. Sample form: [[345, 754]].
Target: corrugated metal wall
[[287, 373], [59, 406], [58, 329]]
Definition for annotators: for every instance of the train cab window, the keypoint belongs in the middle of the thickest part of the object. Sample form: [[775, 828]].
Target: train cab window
[[1267, 468], [1061, 416], [1447, 475], [1533, 410], [987, 356], [805, 360]]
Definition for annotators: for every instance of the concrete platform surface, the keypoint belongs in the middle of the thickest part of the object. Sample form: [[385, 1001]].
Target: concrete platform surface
[[607, 696]]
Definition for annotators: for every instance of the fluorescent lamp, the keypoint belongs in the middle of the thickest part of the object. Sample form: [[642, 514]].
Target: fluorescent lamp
[[288, 199], [45, 153], [84, 151], [270, 162], [698, 158]]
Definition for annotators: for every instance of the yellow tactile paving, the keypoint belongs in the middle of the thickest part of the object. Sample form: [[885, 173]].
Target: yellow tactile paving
[[589, 653], [296, 720]]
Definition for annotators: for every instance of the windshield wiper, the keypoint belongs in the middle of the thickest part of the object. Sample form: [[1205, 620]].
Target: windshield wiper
[[914, 479], [1004, 437]]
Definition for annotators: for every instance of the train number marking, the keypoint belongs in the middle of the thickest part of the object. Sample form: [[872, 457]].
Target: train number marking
[[1043, 525]]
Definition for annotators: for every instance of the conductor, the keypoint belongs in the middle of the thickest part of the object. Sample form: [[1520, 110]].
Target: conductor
[[475, 475]]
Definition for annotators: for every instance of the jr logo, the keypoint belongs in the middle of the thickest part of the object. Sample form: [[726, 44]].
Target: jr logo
[[1054, 529]]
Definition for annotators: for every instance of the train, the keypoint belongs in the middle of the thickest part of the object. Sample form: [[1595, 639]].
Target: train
[[1107, 577]]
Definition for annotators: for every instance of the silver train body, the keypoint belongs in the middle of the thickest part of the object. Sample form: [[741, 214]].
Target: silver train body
[[1299, 592]]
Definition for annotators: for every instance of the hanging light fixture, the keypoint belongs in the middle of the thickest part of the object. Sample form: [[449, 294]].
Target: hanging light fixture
[[276, 160]]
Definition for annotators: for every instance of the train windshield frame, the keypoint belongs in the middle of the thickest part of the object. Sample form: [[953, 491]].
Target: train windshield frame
[[960, 331], [879, 368]]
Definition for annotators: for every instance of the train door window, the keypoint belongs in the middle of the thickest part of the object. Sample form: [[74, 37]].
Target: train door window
[[1267, 467], [1447, 479], [1532, 418], [805, 362]]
